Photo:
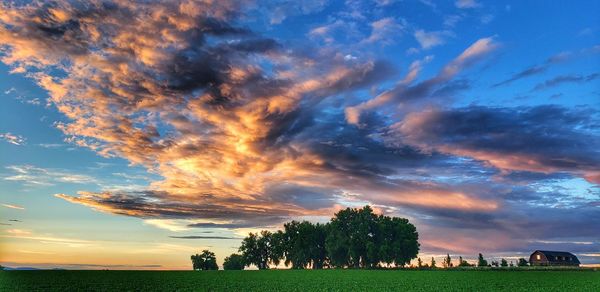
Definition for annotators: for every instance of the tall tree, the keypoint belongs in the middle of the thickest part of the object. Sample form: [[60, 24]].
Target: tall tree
[[256, 249], [503, 263], [481, 262], [204, 261], [264, 249], [234, 262], [299, 243], [279, 247], [351, 240], [433, 263], [447, 263], [355, 238], [318, 252]]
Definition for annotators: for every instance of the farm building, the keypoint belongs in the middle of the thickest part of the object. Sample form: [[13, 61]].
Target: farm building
[[553, 258]]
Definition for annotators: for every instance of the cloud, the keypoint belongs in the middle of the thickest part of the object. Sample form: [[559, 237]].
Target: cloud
[[385, 30], [205, 237], [278, 11], [465, 4], [202, 114], [171, 225], [10, 206], [544, 66], [406, 92], [36, 176], [13, 139], [48, 239], [562, 79], [544, 139], [431, 39]]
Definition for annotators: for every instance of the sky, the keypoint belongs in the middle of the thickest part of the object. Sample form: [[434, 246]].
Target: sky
[[133, 135]]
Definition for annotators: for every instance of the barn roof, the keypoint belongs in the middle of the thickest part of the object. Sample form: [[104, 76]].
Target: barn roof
[[549, 254]]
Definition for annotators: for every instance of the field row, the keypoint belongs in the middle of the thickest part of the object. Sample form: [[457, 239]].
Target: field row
[[300, 280]]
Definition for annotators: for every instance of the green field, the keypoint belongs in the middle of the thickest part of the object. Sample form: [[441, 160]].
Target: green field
[[300, 280]]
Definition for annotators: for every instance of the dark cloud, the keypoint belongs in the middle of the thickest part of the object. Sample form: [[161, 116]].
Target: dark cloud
[[559, 80], [537, 69], [150, 204], [538, 139], [204, 237]]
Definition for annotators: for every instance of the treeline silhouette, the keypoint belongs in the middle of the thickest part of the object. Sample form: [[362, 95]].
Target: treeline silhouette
[[481, 263], [354, 238]]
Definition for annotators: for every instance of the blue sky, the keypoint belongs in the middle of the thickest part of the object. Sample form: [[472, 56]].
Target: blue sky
[[124, 127]]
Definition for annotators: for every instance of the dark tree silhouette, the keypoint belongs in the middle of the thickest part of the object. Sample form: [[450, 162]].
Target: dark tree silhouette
[[234, 262], [318, 251], [257, 249], [359, 238], [355, 238], [204, 261], [299, 243], [447, 263], [522, 262], [433, 266], [481, 262], [463, 263], [503, 263], [279, 247]]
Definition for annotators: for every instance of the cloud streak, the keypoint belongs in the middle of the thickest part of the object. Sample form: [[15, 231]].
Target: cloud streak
[[13, 139], [10, 206]]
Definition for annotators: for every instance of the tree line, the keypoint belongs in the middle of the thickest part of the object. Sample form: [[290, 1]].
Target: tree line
[[481, 262], [353, 238]]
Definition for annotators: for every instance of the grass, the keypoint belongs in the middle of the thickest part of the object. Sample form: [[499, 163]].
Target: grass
[[301, 280]]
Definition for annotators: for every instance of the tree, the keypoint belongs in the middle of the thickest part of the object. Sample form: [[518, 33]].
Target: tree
[[279, 247], [358, 238], [419, 263], [481, 262], [350, 242], [503, 263], [495, 264], [398, 240], [234, 262], [522, 262], [355, 238], [318, 251], [463, 263], [256, 249], [204, 261], [433, 263], [299, 243], [447, 263], [1, 268]]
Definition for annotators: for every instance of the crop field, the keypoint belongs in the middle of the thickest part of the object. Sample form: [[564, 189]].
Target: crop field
[[300, 280]]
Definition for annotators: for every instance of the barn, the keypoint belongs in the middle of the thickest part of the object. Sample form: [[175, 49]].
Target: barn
[[553, 258]]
